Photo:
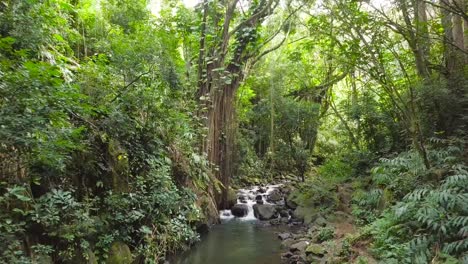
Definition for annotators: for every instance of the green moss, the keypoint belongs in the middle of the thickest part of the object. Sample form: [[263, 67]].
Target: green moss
[[119, 253]]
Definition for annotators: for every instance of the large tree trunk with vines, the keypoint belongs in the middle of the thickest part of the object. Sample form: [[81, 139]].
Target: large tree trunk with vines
[[219, 79]]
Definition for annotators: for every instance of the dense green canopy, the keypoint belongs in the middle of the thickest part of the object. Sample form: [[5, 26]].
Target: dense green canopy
[[130, 121]]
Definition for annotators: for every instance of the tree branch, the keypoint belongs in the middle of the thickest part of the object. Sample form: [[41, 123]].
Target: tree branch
[[124, 89]]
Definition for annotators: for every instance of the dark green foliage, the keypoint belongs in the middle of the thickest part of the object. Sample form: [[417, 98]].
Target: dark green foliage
[[97, 135], [429, 220], [325, 234]]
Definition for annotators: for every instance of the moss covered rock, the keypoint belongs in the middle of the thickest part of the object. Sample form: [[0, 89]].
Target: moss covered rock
[[232, 197], [315, 249], [119, 253]]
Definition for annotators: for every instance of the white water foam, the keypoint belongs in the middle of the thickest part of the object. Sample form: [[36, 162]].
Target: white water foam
[[249, 194]]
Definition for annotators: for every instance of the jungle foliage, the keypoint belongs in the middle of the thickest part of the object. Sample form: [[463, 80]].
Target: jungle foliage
[[124, 123]]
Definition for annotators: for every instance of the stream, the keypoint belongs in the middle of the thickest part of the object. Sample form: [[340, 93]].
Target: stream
[[238, 240]]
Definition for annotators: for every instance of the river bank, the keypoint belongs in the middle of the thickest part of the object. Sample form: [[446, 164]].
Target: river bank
[[267, 225]]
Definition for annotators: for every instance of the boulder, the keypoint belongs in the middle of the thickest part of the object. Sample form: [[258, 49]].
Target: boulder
[[243, 199], [320, 221], [240, 210], [316, 250], [119, 253], [314, 259], [231, 198], [290, 203], [258, 198], [275, 221], [299, 246], [203, 228], [287, 243], [284, 236], [264, 211], [285, 189], [262, 190], [275, 196], [287, 255], [284, 213]]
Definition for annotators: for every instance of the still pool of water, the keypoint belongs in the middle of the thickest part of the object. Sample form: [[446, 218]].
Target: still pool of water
[[235, 242]]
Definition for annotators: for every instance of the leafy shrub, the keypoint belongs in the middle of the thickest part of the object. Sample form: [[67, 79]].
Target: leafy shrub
[[430, 221], [325, 234], [336, 170]]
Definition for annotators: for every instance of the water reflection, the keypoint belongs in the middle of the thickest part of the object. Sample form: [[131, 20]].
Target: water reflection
[[235, 242]]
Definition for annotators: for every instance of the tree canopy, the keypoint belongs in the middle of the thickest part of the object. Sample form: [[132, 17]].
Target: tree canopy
[[129, 122]]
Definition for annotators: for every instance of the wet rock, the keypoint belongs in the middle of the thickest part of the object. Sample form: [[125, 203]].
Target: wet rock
[[287, 243], [284, 213], [284, 236], [231, 198], [275, 221], [297, 214], [240, 210], [287, 255], [264, 211], [243, 199], [275, 196], [316, 250], [290, 203], [262, 190], [203, 228], [297, 259], [299, 246], [285, 189], [258, 198], [284, 220]]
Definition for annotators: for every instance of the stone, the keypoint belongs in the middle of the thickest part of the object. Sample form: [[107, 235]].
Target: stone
[[284, 236], [203, 228], [243, 199], [264, 211], [314, 259], [297, 259], [275, 196], [231, 198], [119, 253], [315, 249], [259, 198], [287, 243], [320, 221], [299, 246], [240, 210], [285, 189], [284, 213], [275, 221], [290, 203], [262, 190], [284, 220]]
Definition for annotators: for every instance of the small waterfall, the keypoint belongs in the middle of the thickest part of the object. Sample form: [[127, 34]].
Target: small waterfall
[[247, 197]]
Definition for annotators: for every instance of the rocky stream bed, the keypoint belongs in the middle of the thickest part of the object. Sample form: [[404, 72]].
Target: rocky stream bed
[[264, 225]]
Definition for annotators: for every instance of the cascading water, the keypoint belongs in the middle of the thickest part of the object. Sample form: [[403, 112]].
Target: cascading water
[[239, 239], [248, 197]]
